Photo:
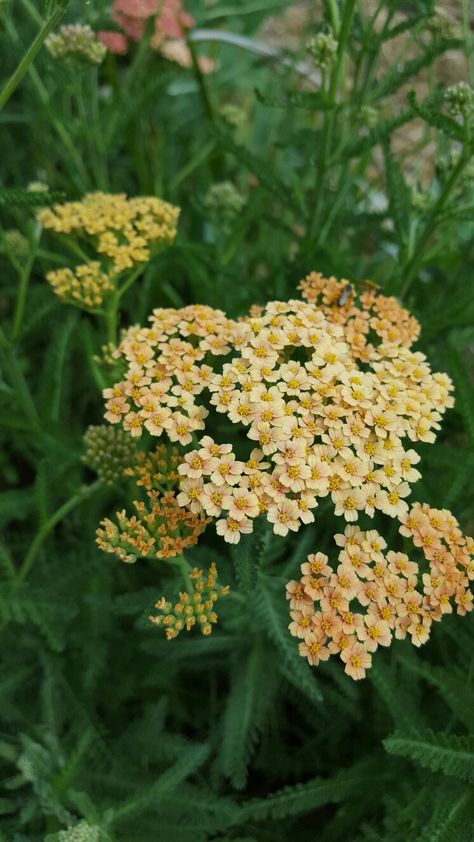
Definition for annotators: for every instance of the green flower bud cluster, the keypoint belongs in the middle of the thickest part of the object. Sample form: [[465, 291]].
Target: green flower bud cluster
[[195, 608], [233, 115], [323, 48], [368, 116], [109, 451], [224, 202], [81, 832], [443, 26], [459, 100], [15, 243], [78, 40]]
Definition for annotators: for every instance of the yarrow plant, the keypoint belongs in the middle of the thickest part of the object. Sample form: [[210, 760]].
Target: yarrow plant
[[120, 234], [327, 398]]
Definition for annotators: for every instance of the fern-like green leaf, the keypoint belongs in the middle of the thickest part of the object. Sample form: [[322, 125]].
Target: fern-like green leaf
[[304, 797], [447, 753], [430, 111], [275, 626], [188, 763], [253, 686], [23, 198], [394, 78], [398, 195]]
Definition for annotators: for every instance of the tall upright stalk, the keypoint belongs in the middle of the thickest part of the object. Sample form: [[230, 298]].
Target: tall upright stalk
[[329, 116]]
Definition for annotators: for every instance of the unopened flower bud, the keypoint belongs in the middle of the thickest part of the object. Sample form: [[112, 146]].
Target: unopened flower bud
[[323, 48]]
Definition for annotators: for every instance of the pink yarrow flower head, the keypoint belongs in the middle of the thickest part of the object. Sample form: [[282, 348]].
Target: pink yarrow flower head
[[132, 15], [115, 42]]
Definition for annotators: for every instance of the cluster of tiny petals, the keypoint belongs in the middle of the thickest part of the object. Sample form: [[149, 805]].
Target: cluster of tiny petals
[[161, 528], [194, 607], [123, 229], [370, 321], [317, 422], [85, 286], [374, 596], [450, 555], [77, 40]]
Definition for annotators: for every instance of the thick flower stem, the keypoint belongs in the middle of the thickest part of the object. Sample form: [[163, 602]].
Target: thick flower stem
[[30, 55], [47, 527], [181, 562]]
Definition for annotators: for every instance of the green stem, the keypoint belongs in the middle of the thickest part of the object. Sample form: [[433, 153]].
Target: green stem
[[25, 274], [58, 126], [181, 562], [205, 95], [111, 317], [30, 55], [329, 115], [18, 381], [130, 280], [335, 16], [414, 264], [47, 527], [28, 6]]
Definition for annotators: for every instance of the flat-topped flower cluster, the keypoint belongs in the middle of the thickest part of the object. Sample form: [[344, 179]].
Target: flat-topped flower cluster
[[373, 596], [316, 420], [121, 232]]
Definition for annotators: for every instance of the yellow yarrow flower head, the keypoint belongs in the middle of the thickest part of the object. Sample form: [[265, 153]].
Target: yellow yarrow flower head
[[86, 285], [121, 232]]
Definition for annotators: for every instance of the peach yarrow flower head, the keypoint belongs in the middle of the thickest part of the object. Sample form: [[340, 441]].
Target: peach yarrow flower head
[[313, 418], [374, 596]]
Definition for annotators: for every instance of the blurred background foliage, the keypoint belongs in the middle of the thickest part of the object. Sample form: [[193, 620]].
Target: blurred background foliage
[[360, 171]]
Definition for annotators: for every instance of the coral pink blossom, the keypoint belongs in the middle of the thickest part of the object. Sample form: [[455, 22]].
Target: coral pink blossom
[[132, 15], [114, 41]]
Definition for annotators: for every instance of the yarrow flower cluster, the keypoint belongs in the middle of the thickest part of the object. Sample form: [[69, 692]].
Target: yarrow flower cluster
[[76, 40], [374, 596], [86, 286], [160, 528], [459, 100], [317, 423], [109, 452], [123, 232], [194, 607]]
